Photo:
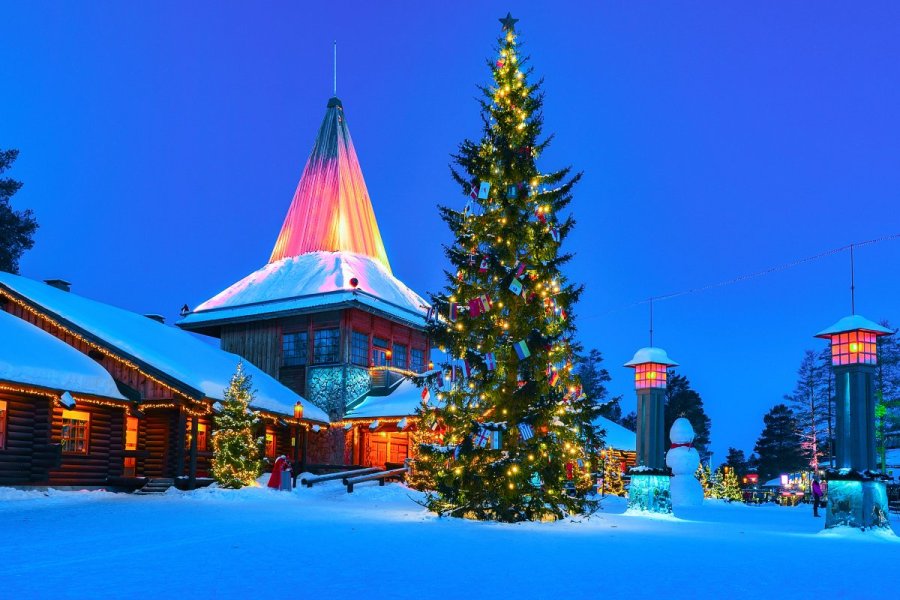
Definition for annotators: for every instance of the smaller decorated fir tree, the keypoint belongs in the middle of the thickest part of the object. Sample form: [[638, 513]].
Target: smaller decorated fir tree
[[612, 475], [727, 486], [236, 452], [707, 480]]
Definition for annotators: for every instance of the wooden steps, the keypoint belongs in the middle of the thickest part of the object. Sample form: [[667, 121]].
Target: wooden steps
[[157, 485]]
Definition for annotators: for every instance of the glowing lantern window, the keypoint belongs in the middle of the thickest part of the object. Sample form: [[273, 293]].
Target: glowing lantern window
[[854, 340], [649, 375], [853, 347], [298, 410], [650, 368]]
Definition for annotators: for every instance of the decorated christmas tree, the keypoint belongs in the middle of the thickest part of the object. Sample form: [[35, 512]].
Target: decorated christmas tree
[[707, 480], [612, 475], [728, 487], [513, 438], [236, 452]]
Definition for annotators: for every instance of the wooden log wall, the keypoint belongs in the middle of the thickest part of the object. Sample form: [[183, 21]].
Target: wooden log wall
[[27, 428], [106, 440], [259, 343]]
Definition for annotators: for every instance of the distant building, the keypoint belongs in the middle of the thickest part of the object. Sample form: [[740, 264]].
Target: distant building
[[325, 316]]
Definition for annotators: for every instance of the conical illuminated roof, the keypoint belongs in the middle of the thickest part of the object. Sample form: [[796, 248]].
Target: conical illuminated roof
[[331, 210]]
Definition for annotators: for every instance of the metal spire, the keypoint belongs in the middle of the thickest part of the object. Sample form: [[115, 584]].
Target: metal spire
[[651, 321], [852, 284], [335, 68]]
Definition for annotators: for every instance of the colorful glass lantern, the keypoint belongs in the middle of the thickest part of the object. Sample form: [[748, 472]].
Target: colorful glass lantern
[[853, 340], [298, 411], [650, 368]]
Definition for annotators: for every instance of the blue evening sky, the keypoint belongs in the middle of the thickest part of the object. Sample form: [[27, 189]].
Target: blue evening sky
[[161, 144]]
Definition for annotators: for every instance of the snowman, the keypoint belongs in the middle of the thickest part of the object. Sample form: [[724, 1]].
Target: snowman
[[683, 459]]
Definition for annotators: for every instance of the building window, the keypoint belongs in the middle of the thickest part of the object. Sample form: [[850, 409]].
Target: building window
[[399, 356], [416, 360], [359, 349], [2, 424], [326, 346], [270, 442], [294, 349], [853, 347], [649, 375], [131, 442], [201, 437], [76, 431]]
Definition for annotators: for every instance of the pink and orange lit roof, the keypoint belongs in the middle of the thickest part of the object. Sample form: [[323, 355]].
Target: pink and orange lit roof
[[331, 210]]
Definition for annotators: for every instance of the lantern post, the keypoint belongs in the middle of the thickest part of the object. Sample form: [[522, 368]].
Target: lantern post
[[857, 495], [649, 489]]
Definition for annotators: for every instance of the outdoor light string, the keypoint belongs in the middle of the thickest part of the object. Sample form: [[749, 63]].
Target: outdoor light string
[[745, 277]]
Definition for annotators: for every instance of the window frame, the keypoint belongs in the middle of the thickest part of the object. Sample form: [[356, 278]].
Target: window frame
[[359, 336], [301, 350], [65, 435], [334, 355], [413, 364], [396, 355]]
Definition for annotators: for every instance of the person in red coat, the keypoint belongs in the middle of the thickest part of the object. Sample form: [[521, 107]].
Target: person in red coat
[[277, 471]]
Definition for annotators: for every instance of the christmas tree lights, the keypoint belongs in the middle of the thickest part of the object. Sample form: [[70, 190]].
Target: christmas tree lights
[[236, 451], [508, 435]]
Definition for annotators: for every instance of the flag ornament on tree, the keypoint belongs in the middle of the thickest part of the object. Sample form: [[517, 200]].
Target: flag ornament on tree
[[516, 226]]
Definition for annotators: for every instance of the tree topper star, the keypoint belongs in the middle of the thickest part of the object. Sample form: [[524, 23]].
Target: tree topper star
[[508, 23]]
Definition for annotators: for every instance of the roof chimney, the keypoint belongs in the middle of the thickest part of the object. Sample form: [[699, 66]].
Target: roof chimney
[[60, 284], [155, 317]]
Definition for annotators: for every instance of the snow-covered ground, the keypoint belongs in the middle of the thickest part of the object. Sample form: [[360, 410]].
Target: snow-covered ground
[[378, 543]]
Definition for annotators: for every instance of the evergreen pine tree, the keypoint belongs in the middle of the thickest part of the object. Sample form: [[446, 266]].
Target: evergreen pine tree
[[683, 401], [707, 481], [728, 486], [629, 421], [16, 228], [779, 446], [809, 402], [735, 460], [517, 440], [593, 377], [887, 391], [236, 452], [613, 485]]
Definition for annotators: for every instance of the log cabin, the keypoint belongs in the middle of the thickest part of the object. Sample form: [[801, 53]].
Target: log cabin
[[325, 316], [62, 417], [172, 379]]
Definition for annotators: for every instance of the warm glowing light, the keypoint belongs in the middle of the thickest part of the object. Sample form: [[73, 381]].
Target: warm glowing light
[[649, 375], [853, 347], [331, 210]]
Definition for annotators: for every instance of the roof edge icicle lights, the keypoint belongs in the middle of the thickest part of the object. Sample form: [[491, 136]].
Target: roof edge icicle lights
[[331, 210]]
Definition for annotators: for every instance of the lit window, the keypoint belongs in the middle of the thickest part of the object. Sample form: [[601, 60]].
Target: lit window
[[76, 430], [326, 346], [201, 437], [359, 349], [2, 424], [270, 442], [399, 358], [294, 348], [853, 347], [649, 375], [416, 360], [131, 442]]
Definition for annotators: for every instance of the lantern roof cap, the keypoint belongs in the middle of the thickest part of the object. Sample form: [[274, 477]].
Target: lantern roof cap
[[854, 323], [651, 355]]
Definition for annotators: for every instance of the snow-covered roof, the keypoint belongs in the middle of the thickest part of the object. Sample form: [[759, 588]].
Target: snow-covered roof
[[402, 402], [179, 355], [31, 356], [309, 282], [853, 323], [651, 355], [618, 437]]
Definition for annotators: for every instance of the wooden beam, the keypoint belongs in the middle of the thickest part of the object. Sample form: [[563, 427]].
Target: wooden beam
[[192, 471]]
